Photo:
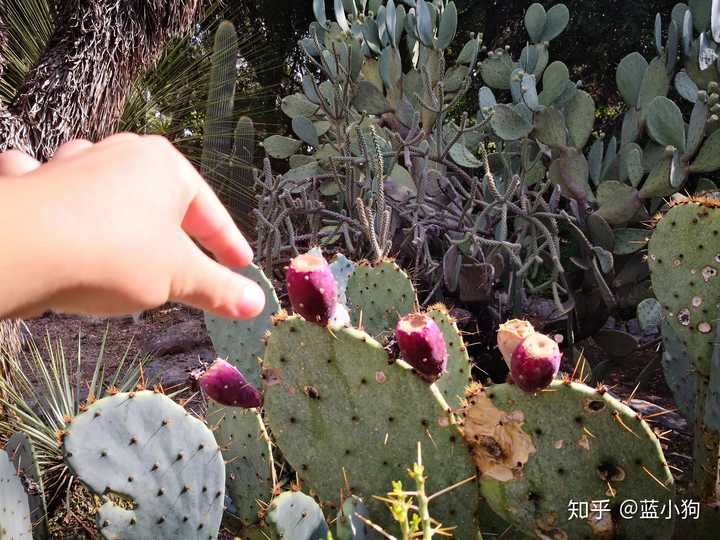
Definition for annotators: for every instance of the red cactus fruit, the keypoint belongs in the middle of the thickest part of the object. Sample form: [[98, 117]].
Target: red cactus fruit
[[312, 288], [510, 335], [224, 383], [422, 344], [535, 362]]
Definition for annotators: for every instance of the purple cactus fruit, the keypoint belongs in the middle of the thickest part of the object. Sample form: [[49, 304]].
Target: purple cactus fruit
[[510, 335], [224, 383], [312, 288], [422, 344], [535, 362]]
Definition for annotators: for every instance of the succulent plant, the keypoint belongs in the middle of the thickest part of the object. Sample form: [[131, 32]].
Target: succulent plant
[[535, 452], [296, 516], [162, 465], [15, 520], [684, 260], [22, 454]]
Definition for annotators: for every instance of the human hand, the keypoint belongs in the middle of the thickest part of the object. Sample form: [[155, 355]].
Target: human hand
[[107, 229]]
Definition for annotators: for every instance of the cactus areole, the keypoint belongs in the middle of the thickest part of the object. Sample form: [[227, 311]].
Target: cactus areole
[[312, 288], [225, 384], [535, 362], [422, 344]]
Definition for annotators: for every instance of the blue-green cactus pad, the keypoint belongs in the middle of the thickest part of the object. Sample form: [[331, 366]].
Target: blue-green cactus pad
[[149, 450]]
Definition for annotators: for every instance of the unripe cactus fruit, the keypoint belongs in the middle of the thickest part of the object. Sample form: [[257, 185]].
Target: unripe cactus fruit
[[535, 362], [312, 288], [422, 344], [225, 384], [510, 335]]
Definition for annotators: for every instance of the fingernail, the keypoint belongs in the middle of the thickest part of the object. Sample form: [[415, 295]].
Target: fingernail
[[251, 302]]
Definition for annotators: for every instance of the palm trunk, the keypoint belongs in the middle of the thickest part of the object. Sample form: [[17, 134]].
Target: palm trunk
[[81, 83], [79, 86]]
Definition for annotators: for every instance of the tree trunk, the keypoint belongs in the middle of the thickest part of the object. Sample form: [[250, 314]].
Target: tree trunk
[[79, 86], [81, 83]]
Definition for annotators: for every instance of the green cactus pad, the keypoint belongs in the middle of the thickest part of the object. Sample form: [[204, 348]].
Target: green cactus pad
[[339, 411], [163, 462], [378, 295], [712, 400], [22, 454], [15, 521], [537, 452], [348, 525], [452, 384], [246, 449], [295, 516], [240, 342], [679, 374], [684, 259]]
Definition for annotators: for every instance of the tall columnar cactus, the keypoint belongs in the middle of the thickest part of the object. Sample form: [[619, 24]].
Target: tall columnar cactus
[[684, 258], [229, 143], [347, 419], [21, 452], [15, 523], [538, 452], [162, 463]]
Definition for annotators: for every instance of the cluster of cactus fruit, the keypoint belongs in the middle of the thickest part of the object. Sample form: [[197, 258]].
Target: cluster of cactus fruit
[[347, 403]]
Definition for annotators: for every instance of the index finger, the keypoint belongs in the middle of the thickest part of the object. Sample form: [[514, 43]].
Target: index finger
[[209, 222]]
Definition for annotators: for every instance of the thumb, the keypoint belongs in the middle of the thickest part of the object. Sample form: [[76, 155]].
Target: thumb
[[206, 284]]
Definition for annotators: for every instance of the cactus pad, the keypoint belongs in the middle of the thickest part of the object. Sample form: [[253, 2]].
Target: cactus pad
[[249, 479], [22, 454], [452, 384], [679, 373], [537, 452], [340, 412], [348, 525], [240, 342], [684, 258], [15, 521], [163, 463], [296, 516], [378, 295], [342, 268]]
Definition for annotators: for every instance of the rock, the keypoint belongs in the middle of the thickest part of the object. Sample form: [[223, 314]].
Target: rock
[[670, 420], [177, 339]]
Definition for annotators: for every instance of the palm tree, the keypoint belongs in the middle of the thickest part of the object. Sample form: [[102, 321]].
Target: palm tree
[[80, 82]]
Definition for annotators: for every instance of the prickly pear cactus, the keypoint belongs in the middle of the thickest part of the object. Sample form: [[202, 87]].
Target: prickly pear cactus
[[452, 384], [240, 342], [296, 516], [246, 448], [163, 462], [537, 452], [22, 454], [684, 258], [15, 521], [679, 374], [378, 295], [348, 525], [344, 417]]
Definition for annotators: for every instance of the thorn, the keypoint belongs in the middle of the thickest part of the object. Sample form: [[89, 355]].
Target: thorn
[[617, 418], [586, 430], [659, 413], [651, 475], [632, 394]]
